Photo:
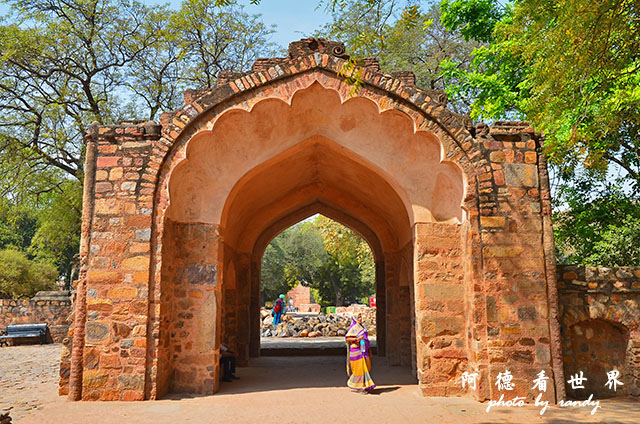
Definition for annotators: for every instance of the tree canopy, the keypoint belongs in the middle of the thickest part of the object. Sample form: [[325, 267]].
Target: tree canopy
[[324, 255], [402, 37], [66, 64], [21, 277], [571, 67]]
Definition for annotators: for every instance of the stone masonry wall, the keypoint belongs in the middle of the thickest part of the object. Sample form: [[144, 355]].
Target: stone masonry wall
[[300, 295], [117, 281], [54, 312], [509, 292], [190, 303], [600, 318], [439, 309], [500, 261]]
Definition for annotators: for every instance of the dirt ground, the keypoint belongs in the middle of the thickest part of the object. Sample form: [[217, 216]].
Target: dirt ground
[[272, 389]]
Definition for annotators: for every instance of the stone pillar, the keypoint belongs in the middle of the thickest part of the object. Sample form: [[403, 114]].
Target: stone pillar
[[514, 259], [192, 286], [75, 358], [117, 265], [243, 289], [381, 312], [392, 321], [439, 303], [254, 309], [229, 310]]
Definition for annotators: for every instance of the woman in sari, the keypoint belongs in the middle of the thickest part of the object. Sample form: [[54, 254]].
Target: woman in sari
[[358, 362]]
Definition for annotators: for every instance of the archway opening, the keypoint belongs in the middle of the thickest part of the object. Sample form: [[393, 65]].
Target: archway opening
[[249, 176], [325, 274], [598, 349]]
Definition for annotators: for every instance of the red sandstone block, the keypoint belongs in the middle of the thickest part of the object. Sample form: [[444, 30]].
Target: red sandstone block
[[112, 247], [138, 221], [509, 156], [101, 175], [110, 395], [109, 361], [123, 293], [101, 305], [484, 177], [107, 161], [136, 263], [108, 206], [498, 177], [131, 396], [492, 145], [107, 149], [104, 277]]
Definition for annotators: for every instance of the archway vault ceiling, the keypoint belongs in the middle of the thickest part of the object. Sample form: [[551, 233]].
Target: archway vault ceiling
[[250, 169]]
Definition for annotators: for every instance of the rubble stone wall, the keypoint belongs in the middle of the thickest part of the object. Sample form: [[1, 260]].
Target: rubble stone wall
[[600, 318], [54, 312]]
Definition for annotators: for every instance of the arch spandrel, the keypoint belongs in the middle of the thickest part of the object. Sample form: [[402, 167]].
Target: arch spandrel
[[218, 155]]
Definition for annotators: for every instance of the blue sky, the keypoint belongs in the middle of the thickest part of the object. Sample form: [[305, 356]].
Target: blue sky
[[293, 19]]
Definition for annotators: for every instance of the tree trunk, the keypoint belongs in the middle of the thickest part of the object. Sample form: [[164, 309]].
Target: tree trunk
[[335, 283]]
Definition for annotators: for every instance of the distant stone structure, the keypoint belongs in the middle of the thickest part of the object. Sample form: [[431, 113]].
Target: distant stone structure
[[176, 217], [300, 295]]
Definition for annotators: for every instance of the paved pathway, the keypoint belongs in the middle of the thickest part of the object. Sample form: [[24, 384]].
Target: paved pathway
[[273, 389], [28, 377]]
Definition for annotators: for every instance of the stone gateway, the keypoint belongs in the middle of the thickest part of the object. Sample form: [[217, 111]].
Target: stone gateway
[[177, 215]]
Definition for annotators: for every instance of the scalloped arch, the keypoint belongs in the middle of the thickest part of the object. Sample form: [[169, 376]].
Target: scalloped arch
[[234, 142]]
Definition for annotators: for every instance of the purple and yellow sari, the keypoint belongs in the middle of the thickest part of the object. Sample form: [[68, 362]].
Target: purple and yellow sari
[[358, 362]]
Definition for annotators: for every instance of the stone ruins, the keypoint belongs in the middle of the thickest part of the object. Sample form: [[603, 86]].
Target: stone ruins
[[177, 214]]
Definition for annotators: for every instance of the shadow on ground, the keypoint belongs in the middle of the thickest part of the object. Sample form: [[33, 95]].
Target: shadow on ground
[[300, 372]]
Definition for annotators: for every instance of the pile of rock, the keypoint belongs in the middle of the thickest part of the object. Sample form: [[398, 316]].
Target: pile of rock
[[320, 325]]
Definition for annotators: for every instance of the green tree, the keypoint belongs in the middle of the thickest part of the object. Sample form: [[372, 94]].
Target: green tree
[[599, 229], [17, 225], [402, 37], [619, 245], [295, 256], [570, 67], [65, 64], [21, 277], [57, 238], [349, 272], [215, 39], [322, 254]]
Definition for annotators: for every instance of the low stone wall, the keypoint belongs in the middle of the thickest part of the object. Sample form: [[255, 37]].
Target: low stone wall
[[52, 308], [600, 323]]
